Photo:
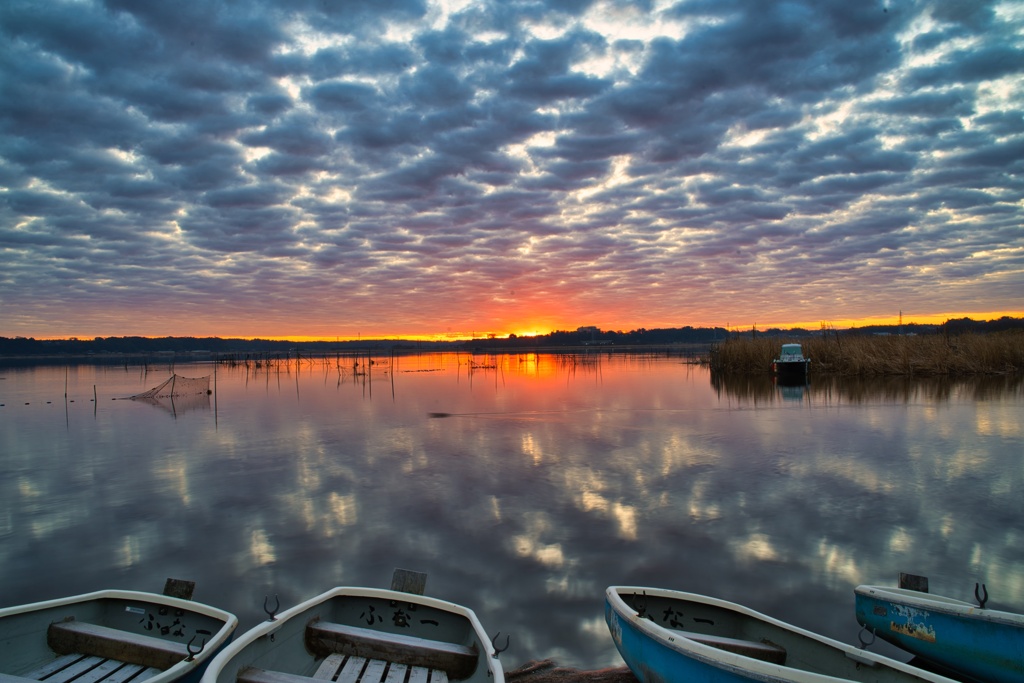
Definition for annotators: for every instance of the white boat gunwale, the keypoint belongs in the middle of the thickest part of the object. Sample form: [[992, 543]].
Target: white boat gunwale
[[737, 663], [128, 595], [940, 603], [268, 627]]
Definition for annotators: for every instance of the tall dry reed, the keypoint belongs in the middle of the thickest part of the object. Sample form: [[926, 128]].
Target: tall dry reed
[[834, 353]]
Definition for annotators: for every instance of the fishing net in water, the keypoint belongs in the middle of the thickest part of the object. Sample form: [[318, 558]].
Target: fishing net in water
[[177, 386]]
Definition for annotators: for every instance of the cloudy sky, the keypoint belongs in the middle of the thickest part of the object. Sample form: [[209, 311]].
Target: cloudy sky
[[343, 168]]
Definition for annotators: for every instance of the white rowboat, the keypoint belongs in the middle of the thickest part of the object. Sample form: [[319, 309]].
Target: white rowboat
[[113, 636], [363, 635]]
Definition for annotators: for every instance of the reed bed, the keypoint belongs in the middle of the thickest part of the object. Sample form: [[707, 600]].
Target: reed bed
[[910, 356]]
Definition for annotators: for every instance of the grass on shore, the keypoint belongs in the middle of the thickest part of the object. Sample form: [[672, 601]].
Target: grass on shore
[[847, 355]]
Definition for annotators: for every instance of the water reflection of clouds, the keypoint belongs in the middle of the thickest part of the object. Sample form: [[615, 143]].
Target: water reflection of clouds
[[549, 482], [999, 420], [173, 471], [261, 550], [755, 547]]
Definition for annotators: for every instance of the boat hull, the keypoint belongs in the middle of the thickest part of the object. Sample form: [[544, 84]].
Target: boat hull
[[284, 644], [980, 643], [25, 629], [658, 634], [794, 372]]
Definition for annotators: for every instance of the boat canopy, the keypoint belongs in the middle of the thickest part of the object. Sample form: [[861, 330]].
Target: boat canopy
[[791, 351]]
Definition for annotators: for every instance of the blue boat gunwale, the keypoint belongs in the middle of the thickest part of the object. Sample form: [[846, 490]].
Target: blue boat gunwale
[[677, 641], [940, 604]]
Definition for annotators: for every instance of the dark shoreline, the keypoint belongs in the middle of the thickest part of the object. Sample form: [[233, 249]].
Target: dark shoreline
[[587, 338], [547, 671]]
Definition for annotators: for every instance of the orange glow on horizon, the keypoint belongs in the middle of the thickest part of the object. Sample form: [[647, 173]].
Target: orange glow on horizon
[[530, 330], [907, 319]]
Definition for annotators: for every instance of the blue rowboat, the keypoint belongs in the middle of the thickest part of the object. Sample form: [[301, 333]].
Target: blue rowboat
[[672, 637], [981, 643]]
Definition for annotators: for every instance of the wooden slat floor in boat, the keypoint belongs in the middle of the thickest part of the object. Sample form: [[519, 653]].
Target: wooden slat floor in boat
[[76, 668], [353, 669], [337, 668]]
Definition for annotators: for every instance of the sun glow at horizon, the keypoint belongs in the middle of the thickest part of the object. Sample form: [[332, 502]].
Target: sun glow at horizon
[[520, 330]]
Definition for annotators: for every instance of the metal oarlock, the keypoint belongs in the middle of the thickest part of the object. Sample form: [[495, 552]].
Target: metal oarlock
[[494, 643], [979, 596], [271, 612]]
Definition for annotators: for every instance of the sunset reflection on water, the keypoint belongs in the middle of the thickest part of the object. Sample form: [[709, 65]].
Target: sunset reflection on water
[[522, 484]]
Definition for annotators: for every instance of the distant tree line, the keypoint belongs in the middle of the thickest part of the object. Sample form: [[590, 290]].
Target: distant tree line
[[591, 336], [101, 346], [709, 335], [583, 336]]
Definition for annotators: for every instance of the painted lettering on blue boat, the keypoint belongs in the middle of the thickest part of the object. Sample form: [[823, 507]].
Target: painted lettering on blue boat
[[917, 624], [919, 631], [614, 626]]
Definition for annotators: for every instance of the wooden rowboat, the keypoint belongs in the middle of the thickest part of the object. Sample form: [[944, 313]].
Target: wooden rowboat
[[667, 636], [111, 635], [363, 635], [985, 644]]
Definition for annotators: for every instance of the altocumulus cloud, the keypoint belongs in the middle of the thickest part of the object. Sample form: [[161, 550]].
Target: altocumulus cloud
[[406, 167]]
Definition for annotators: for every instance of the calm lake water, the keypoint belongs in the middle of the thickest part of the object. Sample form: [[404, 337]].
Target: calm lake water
[[523, 485]]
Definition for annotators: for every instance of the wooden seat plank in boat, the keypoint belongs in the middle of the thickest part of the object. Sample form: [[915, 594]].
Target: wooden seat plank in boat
[[50, 667], [100, 669], [94, 669], [78, 668], [73, 668], [68, 637], [110, 671], [328, 668], [418, 674], [768, 652], [396, 673], [354, 670], [374, 671], [147, 673], [350, 672], [325, 638]]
